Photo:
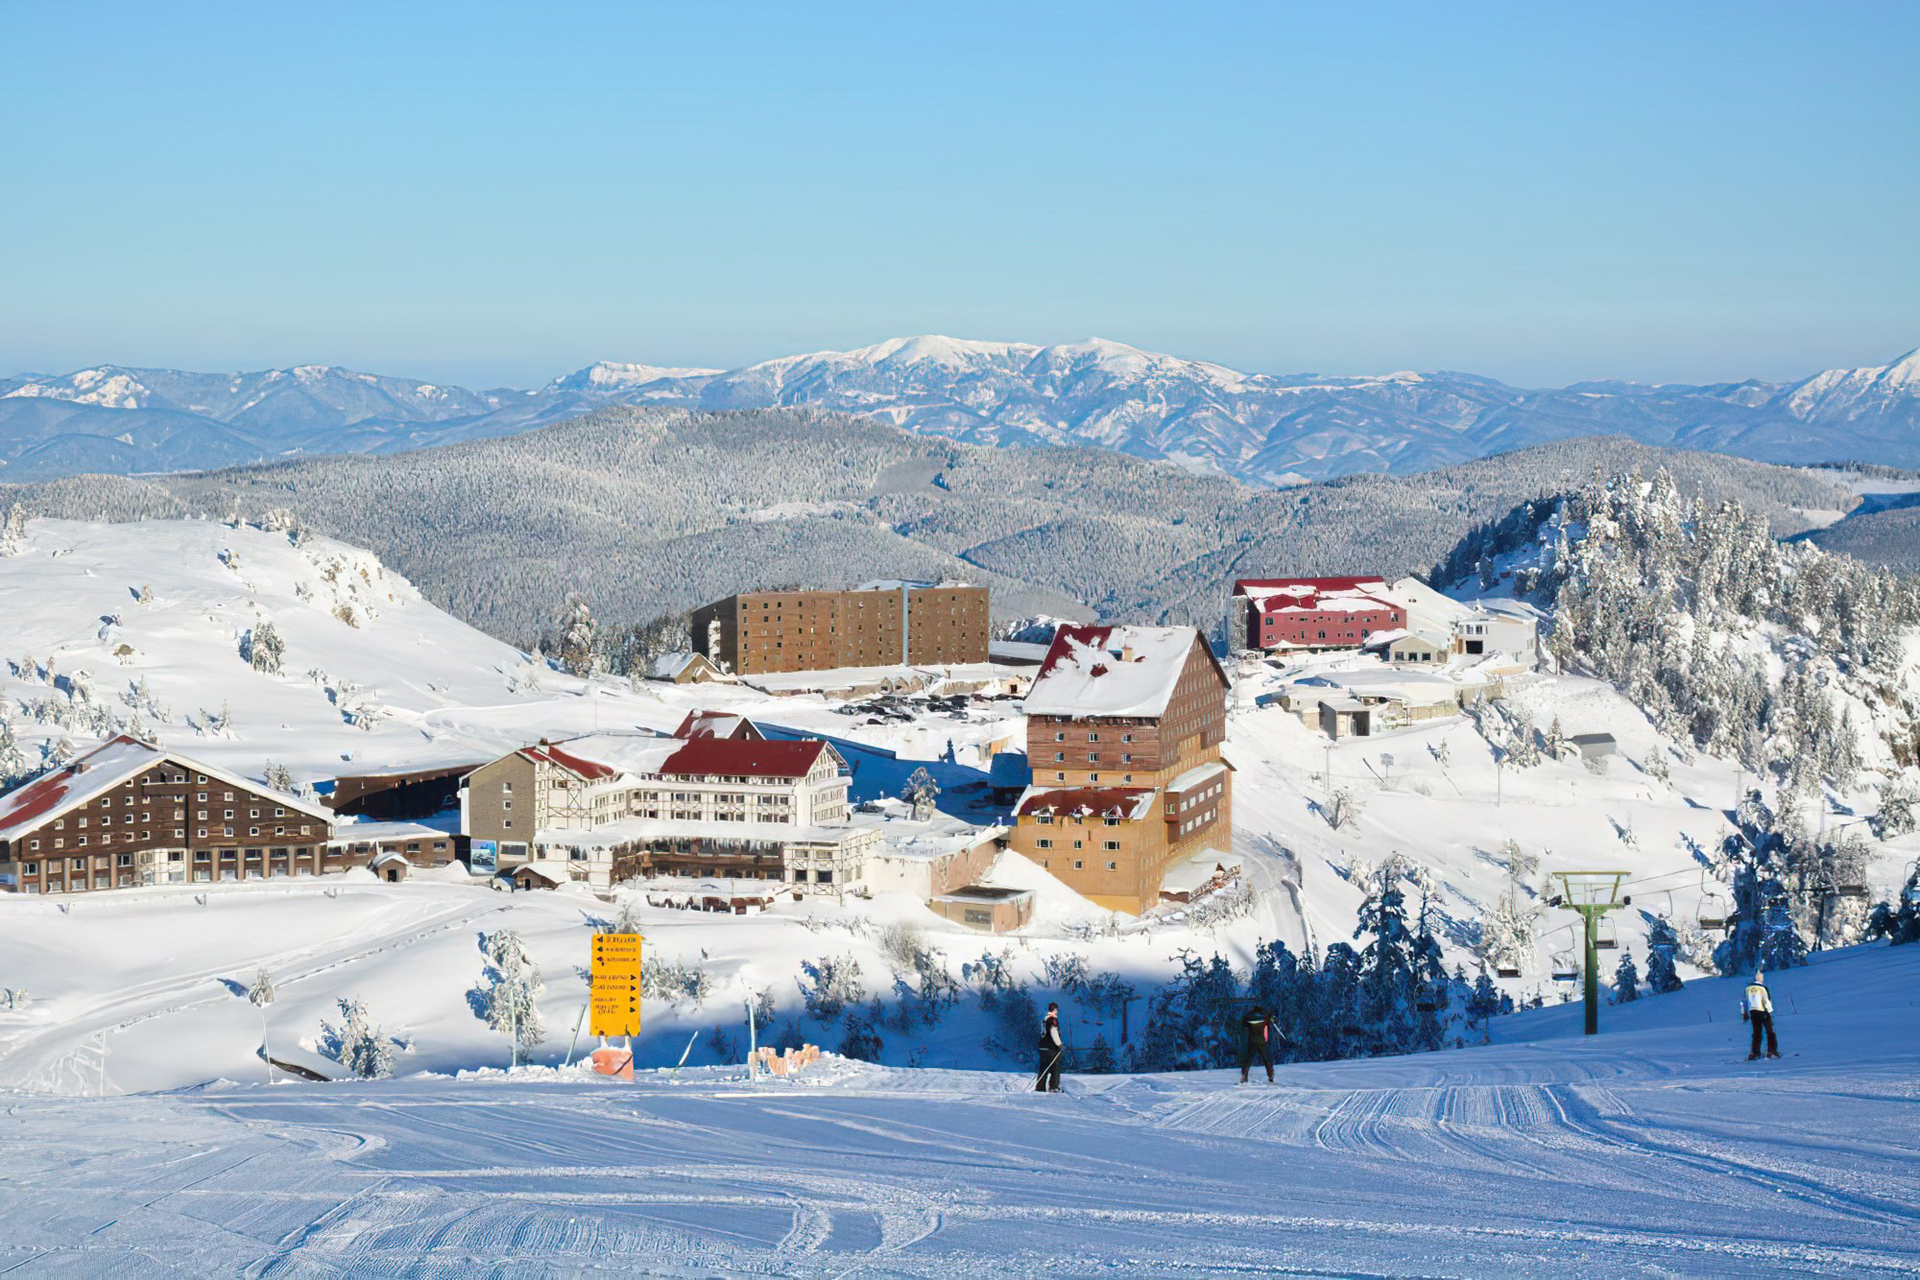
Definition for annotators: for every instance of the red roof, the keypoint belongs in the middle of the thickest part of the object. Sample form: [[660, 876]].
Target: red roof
[[744, 757], [591, 770], [1090, 635], [1094, 800], [1241, 585], [1276, 594]]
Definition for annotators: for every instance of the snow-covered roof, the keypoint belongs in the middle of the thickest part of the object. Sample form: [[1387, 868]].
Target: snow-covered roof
[[105, 767], [1132, 803], [669, 666], [1417, 597], [1113, 671], [382, 832], [717, 724], [940, 836], [1198, 775], [552, 870], [1312, 595], [1381, 639]]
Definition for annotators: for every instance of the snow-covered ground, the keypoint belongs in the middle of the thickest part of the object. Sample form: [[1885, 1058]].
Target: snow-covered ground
[[1653, 1148], [437, 691]]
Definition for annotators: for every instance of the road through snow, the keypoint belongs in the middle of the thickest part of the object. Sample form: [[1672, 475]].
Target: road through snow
[[1654, 1147]]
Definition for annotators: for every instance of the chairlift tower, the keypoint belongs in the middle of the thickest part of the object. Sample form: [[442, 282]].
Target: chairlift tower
[[1592, 894]]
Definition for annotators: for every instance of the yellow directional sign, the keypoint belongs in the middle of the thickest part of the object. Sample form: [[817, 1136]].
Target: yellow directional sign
[[614, 1004]]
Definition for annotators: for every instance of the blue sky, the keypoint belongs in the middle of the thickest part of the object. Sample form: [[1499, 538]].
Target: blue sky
[[497, 194]]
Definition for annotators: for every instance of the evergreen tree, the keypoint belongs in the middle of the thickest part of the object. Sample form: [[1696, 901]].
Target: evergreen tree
[[1899, 922], [1662, 943], [1626, 979], [575, 650], [356, 1043], [1385, 998], [510, 991]]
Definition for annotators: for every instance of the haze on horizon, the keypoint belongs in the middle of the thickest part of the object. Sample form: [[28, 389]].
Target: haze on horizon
[[492, 196]]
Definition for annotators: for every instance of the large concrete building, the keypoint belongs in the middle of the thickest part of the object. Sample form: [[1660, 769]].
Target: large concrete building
[[128, 813], [880, 624], [1124, 726]]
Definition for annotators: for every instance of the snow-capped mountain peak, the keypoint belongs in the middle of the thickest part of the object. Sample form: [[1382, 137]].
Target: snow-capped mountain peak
[[605, 376]]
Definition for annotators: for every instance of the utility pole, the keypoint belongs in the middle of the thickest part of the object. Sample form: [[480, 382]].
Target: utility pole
[[753, 1042], [1592, 894]]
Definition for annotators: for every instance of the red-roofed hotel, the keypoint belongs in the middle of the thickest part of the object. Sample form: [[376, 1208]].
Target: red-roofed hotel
[[1314, 613]]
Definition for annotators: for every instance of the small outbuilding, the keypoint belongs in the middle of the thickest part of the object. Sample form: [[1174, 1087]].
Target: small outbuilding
[[390, 867], [1593, 746], [986, 907]]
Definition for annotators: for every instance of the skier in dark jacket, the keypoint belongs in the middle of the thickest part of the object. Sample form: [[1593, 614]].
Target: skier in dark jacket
[[1256, 1028], [1052, 1050]]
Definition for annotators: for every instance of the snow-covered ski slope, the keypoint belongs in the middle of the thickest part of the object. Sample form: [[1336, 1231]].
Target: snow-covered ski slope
[[150, 618], [1654, 1148]]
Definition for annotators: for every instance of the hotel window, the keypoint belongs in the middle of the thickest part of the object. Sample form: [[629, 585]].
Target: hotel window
[[1044, 843], [1078, 865], [1113, 866]]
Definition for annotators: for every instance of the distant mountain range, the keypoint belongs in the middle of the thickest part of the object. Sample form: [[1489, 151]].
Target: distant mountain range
[[1264, 429]]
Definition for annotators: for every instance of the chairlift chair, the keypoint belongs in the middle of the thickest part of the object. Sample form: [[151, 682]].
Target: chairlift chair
[[1564, 969], [1604, 936], [1506, 969], [1715, 909]]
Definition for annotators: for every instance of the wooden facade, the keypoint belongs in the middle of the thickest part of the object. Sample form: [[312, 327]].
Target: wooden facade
[[768, 632], [1116, 800], [168, 821]]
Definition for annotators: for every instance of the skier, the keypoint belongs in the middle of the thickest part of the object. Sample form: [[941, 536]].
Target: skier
[[1256, 1029], [1052, 1049], [1757, 1009]]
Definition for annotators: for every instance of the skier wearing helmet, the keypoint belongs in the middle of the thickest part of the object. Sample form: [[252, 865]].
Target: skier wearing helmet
[[1757, 1009]]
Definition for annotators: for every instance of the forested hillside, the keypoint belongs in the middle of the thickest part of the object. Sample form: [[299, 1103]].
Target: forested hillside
[[649, 512]]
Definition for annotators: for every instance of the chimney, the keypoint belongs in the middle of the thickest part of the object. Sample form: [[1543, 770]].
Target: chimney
[[1126, 653]]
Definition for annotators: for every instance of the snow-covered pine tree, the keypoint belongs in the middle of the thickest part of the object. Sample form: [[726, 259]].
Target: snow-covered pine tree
[[510, 992], [1662, 944], [1626, 979], [356, 1043], [263, 647], [1899, 921], [575, 625], [13, 531], [1387, 980], [921, 791], [1899, 806]]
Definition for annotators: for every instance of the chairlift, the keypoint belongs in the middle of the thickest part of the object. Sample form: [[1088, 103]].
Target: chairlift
[[1506, 969], [1604, 936], [1715, 908], [1563, 967]]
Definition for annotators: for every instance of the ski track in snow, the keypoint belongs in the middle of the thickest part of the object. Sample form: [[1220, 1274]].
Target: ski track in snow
[[1653, 1150]]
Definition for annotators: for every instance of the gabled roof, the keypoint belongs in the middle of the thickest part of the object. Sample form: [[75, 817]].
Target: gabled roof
[[744, 757], [1089, 802], [717, 724], [107, 766], [588, 770], [1114, 670], [670, 666]]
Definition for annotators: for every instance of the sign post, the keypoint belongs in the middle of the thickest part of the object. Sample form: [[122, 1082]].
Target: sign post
[[614, 999]]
